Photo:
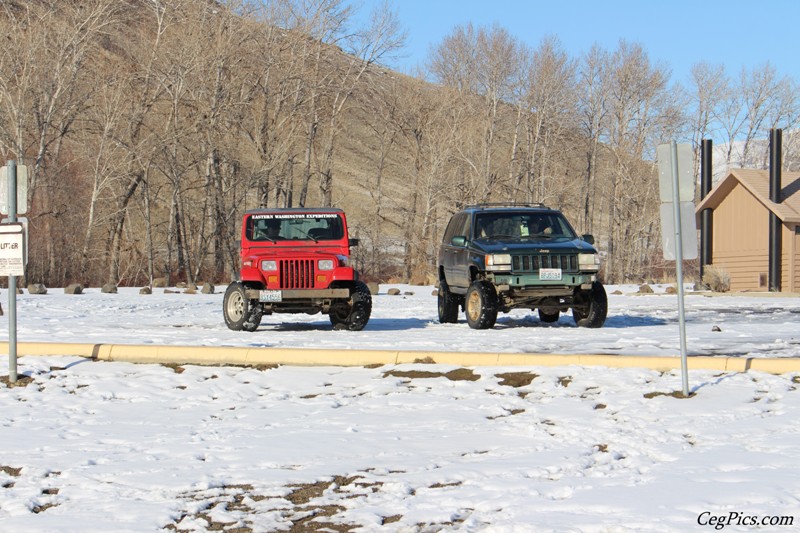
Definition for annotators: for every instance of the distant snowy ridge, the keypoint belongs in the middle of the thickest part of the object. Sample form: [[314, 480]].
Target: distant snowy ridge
[[757, 156]]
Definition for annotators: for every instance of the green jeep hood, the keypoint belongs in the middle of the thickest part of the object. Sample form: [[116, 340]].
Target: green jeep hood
[[512, 246]]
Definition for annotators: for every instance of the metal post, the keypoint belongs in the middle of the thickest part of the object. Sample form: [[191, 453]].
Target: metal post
[[706, 221], [775, 224], [676, 202], [12, 280]]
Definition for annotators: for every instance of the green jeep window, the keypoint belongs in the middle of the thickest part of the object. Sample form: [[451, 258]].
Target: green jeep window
[[510, 225]]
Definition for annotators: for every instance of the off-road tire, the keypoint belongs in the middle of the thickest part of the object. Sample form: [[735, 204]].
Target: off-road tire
[[480, 305], [595, 317], [448, 305], [354, 314], [239, 314], [544, 316]]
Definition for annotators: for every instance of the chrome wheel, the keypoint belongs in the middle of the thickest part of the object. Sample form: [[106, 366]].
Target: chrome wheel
[[235, 306], [474, 306], [480, 305]]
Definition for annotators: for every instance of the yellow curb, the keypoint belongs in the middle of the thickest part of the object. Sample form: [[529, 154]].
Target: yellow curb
[[233, 355]]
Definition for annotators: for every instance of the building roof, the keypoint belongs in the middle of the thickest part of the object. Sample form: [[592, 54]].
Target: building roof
[[757, 183]]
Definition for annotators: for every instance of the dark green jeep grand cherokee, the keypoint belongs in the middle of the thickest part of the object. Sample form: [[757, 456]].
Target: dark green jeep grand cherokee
[[495, 259]]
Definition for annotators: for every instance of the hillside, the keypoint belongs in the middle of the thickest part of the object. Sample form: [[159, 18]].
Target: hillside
[[161, 126], [149, 128]]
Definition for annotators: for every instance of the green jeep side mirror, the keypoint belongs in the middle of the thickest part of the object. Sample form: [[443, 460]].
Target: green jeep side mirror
[[588, 237], [459, 240]]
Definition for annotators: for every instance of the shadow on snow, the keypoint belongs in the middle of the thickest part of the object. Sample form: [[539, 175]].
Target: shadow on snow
[[374, 324], [503, 322]]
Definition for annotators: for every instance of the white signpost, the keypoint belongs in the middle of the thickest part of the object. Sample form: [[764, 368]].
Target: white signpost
[[678, 227], [13, 202]]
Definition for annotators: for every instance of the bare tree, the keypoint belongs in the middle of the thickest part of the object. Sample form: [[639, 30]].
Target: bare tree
[[106, 162], [740, 114], [455, 61], [498, 62], [385, 117], [364, 48], [319, 25], [731, 116], [593, 109], [550, 101], [479, 63], [640, 113], [44, 60], [759, 89], [787, 116], [134, 133], [709, 90], [434, 186], [208, 74], [274, 102]]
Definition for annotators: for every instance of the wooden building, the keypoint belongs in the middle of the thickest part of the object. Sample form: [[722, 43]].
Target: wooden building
[[741, 208]]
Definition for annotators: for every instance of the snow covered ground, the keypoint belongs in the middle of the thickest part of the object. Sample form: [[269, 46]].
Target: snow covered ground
[[95, 446], [637, 324]]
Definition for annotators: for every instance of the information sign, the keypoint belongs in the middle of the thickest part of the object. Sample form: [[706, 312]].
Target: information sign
[[12, 250]]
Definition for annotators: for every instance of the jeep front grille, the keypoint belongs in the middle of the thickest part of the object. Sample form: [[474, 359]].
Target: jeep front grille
[[532, 263], [297, 274]]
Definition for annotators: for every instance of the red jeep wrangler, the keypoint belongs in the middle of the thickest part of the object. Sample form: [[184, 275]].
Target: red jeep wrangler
[[296, 261]]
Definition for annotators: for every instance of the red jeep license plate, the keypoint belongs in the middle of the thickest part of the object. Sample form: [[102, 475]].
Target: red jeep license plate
[[270, 296]]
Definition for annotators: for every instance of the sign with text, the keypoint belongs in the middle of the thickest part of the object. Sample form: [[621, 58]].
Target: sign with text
[[12, 249]]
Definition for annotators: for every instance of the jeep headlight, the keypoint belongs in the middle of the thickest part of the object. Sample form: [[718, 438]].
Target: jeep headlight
[[498, 262], [269, 265], [588, 262], [325, 264]]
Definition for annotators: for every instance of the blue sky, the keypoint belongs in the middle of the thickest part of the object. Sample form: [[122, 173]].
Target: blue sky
[[680, 33]]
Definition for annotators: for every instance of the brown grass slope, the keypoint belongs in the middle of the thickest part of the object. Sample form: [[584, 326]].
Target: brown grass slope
[[406, 152]]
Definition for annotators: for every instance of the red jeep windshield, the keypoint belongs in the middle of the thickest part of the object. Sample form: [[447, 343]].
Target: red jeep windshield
[[273, 227]]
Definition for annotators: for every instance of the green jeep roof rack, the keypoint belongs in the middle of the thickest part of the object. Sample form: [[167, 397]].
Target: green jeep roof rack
[[505, 204]]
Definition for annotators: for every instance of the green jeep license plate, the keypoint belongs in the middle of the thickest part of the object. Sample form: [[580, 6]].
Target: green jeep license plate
[[550, 274], [270, 296]]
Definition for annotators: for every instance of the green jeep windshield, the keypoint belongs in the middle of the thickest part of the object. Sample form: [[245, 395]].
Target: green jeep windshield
[[522, 225]]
